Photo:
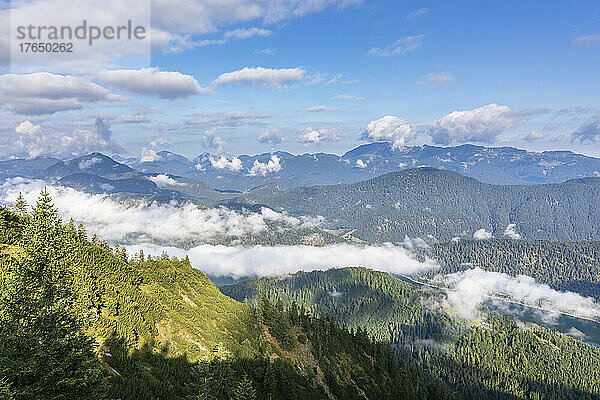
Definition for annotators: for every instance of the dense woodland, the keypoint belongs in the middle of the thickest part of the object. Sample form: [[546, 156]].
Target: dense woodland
[[497, 358], [573, 266], [426, 201], [81, 320]]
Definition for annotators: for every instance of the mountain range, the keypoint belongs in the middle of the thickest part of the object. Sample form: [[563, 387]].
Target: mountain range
[[494, 165]]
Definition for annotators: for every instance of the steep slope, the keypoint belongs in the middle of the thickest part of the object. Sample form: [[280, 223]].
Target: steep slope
[[163, 330], [426, 201], [495, 359]]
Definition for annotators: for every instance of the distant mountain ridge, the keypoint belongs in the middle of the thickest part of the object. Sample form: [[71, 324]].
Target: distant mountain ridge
[[425, 201], [494, 165]]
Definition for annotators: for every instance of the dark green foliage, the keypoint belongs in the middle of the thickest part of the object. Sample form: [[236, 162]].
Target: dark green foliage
[[497, 359], [562, 265], [162, 330], [425, 201], [44, 353]]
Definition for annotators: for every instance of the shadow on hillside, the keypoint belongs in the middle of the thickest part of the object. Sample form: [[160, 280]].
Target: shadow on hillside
[[146, 374]]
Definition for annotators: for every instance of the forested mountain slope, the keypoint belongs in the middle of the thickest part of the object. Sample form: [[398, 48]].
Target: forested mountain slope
[[79, 320], [494, 359], [572, 266], [426, 201]]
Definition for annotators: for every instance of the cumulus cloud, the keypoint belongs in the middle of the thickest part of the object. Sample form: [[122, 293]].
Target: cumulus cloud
[[471, 288], [511, 232], [320, 135], [482, 124], [391, 129], [435, 79], [235, 164], [482, 234], [45, 93], [153, 82], [138, 221], [33, 140], [148, 156], [240, 262], [589, 132], [165, 181], [212, 141], [259, 168], [268, 77], [160, 142], [273, 136], [404, 45]]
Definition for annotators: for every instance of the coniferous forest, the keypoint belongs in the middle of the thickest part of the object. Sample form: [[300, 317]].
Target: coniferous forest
[[80, 320]]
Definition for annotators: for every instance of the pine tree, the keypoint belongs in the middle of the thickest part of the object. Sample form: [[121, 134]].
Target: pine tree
[[20, 205], [44, 352], [244, 390]]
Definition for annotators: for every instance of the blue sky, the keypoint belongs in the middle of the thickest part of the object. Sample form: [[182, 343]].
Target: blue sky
[[522, 74]]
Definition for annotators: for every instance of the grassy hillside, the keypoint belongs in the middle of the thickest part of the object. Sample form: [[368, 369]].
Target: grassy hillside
[[426, 201], [495, 359], [81, 320]]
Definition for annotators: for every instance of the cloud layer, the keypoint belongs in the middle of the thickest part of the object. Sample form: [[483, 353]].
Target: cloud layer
[[239, 262], [139, 221], [471, 288]]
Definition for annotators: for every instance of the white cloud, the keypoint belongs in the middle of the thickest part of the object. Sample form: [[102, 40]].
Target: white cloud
[[533, 136], [416, 13], [33, 140], [270, 261], [389, 128], [136, 221], [347, 97], [473, 287], [269, 77], [88, 162], [361, 164], [321, 108], [259, 168], [212, 141], [404, 45], [46, 93], [160, 142], [153, 82], [482, 124], [241, 33], [482, 234], [511, 232], [587, 39], [148, 156], [165, 181], [235, 164], [320, 135], [589, 132], [435, 79], [273, 136]]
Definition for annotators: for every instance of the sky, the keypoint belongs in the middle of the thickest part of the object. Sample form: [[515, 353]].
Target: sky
[[253, 76]]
